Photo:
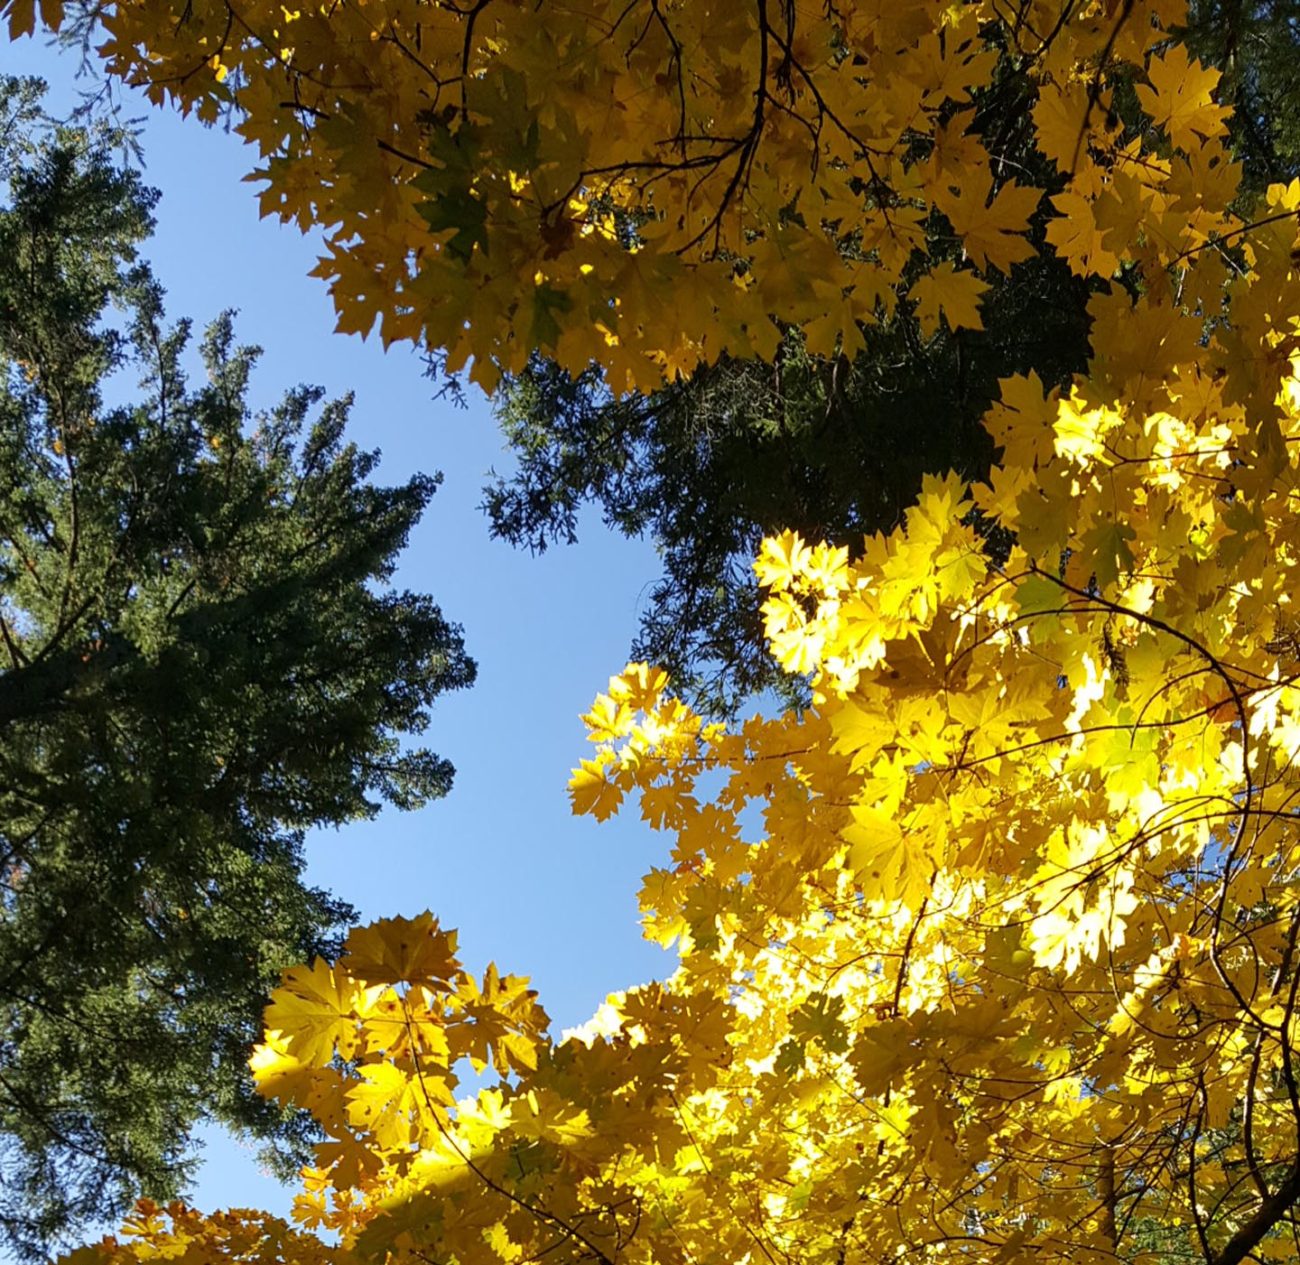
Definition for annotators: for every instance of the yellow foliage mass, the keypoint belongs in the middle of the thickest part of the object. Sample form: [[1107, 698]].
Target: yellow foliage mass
[[653, 184]]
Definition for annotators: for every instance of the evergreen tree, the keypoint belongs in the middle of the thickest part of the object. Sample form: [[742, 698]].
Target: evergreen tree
[[201, 658], [1256, 44]]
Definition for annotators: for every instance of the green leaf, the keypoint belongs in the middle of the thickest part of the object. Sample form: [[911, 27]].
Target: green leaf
[[547, 302], [1038, 594], [462, 211], [1106, 547], [818, 1019]]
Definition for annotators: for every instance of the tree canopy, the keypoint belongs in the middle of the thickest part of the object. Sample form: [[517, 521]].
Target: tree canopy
[[990, 955], [652, 187], [201, 657], [831, 447], [688, 212]]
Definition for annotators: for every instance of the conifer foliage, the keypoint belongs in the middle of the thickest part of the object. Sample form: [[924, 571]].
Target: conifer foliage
[[200, 658]]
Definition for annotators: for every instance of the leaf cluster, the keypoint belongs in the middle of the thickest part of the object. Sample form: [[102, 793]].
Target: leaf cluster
[[835, 449]]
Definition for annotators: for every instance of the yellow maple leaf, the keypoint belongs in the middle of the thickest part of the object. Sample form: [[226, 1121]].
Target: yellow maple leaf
[[1081, 431], [954, 294], [591, 791], [860, 732], [497, 1237], [392, 1105], [503, 1022], [410, 1024], [1179, 98], [836, 331], [1078, 239], [990, 225], [639, 686], [1021, 421], [609, 719], [544, 1114], [781, 560], [1065, 119], [890, 865], [276, 1073], [319, 1008]]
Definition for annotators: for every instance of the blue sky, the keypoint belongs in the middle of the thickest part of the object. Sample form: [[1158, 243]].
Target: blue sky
[[529, 886]]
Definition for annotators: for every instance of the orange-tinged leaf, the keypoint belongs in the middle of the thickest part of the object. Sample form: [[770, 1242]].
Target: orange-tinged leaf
[[403, 950], [1077, 238], [990, 225], [1064, 120], [22, 17]]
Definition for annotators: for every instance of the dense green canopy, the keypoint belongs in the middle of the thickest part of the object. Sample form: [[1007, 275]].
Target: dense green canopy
[[201, 657]]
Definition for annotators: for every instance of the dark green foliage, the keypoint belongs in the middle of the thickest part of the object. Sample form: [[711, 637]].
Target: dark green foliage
[[1256, 44], [200, 659], [707, 467]]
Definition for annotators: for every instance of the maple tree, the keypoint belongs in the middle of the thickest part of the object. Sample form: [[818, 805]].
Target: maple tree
[[531, 291], [991, 954], [649, 187], [706, 466]]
